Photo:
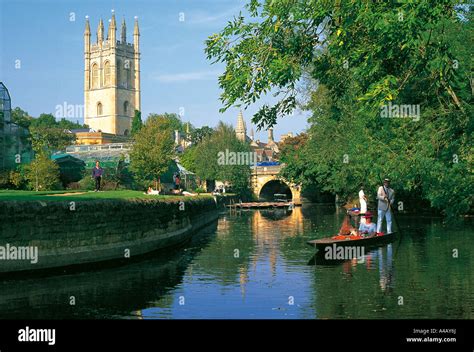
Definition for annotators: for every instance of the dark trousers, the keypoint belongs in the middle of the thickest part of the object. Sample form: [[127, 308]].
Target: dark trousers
[[97, 183]]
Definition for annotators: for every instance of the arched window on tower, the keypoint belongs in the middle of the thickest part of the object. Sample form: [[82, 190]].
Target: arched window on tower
[[107, 73], [99, 108], [95, 76], [125, 107]]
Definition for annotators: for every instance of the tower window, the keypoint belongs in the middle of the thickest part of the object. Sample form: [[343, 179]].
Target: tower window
[[99, 108], [107, 74], [125, 108], [95, 76]]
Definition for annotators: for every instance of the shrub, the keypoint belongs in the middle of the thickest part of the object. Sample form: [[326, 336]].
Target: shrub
[[42, 174], [199, 190]]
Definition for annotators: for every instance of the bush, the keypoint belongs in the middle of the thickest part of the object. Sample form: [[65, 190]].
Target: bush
[[13, 179], [4, 179], [199, 190], [17, 179], [87, 183], [42, 174]]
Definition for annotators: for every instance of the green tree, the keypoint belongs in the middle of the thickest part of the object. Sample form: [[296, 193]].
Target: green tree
[[207, 164], [189, 157], [68, 125], [174, 121], [291, 150], [21, 117], [48, 140], [44, 121], [363, 57], [48, 135], [42, 174], [198, 134], [136, 122], [153, 149]]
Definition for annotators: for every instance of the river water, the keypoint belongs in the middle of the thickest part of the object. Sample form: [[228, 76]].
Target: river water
[[256, 264]]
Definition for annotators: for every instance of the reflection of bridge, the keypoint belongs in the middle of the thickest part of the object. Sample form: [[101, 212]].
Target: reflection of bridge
[[265, 182]]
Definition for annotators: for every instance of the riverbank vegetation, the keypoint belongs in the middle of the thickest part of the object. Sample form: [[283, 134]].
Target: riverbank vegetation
[[7, 195], [389, 86]]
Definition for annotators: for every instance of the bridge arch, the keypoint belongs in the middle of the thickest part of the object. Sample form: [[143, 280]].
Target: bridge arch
[[264, 184], [275, 186]]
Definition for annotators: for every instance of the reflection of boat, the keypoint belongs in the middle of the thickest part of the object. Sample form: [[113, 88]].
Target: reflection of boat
[[370, 241]]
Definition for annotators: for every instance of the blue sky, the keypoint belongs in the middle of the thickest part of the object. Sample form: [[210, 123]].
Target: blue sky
[[174, 69]]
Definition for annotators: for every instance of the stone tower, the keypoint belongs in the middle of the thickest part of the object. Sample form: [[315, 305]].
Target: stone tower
[[111, 78], [241, 129]]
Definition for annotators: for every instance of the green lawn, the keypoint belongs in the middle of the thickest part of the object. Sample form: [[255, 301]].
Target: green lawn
[[6, 195]]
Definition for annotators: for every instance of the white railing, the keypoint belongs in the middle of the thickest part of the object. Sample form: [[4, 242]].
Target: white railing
[[97, 147]]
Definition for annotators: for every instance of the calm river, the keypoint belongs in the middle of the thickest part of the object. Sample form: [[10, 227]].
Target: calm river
[[256, 264]]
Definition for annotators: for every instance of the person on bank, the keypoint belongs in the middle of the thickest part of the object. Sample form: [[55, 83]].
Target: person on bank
[[97, 172], [386, 198], [367, 227]]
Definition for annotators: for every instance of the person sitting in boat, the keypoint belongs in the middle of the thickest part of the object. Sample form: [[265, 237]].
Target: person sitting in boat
[[368, 228]]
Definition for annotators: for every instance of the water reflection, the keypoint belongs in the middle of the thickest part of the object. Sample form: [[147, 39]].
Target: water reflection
[[253, 264], [117, 291]]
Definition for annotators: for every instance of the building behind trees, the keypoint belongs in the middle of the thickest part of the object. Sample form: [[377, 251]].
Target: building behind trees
[[15, 147]]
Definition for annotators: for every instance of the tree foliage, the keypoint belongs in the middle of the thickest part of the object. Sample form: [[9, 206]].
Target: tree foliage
[[153, 148], [42, 174], [363, 57], [203, 159], [198, 134], [136, 122], [21, 117]]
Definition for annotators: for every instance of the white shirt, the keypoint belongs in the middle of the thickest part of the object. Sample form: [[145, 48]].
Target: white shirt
[[363, 203]]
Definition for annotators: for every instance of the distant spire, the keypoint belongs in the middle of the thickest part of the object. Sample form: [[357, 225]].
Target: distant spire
[[100, 32], [124, 32], [87, 36], [113, 24], [112, 30], [136, 30], [241, 130], [252, 136], [136, 34], [88, 27]]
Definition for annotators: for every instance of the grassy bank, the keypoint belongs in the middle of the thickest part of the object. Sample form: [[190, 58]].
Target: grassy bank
[[6, 195]]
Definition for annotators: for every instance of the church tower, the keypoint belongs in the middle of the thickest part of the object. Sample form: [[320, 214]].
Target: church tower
[[241, 129], [111, 78]]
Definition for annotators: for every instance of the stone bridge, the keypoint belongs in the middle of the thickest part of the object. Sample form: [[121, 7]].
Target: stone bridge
[[265, 182]]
